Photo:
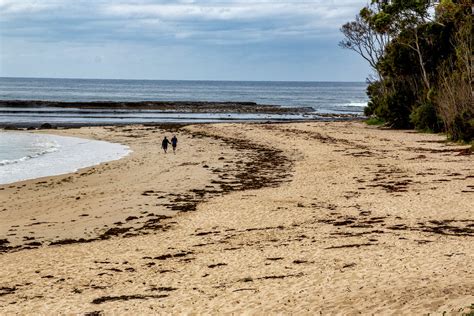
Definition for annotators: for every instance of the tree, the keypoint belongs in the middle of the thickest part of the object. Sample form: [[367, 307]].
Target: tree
[[363, 37], [424, 66], [406, 16], [454, 97]]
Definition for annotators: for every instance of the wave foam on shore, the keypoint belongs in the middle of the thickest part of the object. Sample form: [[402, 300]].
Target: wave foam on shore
[[54, 155]]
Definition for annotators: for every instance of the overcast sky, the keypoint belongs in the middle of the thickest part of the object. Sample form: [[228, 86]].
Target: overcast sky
[[182, 39]]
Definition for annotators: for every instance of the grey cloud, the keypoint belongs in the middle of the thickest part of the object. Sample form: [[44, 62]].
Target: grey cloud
[[181, 39], [241, 20]]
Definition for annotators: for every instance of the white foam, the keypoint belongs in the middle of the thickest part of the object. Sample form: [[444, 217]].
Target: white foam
[[357, 104], [61, 155], [30, 156]]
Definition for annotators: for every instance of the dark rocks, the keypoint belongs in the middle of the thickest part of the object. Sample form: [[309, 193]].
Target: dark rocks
[[188, 106], [10, 128], [46, 126]]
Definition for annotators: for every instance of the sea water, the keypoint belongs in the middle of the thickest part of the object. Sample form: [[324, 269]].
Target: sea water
[[322, 97], [26, 156]]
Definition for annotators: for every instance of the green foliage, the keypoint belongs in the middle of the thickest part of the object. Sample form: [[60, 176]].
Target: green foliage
[[374, 121], [395, 107], [424, 118], [463, 127], [381, 22], [375, 93], [425, 71]]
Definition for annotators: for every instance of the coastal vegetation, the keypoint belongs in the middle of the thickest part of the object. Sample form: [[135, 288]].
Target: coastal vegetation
[[420, 52]]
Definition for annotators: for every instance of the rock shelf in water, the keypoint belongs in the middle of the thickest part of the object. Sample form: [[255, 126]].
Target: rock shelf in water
[[186, 106]]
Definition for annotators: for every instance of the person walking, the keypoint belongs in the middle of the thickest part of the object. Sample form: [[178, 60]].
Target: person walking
[[174, 143], [164, 144]]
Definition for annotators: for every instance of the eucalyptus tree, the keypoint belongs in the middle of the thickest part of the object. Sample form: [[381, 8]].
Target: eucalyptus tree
[[365, 37]]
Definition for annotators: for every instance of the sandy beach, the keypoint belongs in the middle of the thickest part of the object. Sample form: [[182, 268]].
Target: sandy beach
[[298, 218]]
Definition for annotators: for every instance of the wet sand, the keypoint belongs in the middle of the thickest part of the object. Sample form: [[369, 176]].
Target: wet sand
[[298, 218]]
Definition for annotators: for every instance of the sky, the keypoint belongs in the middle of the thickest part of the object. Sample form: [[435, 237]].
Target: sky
[[279, 40]]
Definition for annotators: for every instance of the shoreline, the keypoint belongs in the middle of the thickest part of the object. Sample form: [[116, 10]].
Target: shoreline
[[239, 176], [278, 218], [64, 155]]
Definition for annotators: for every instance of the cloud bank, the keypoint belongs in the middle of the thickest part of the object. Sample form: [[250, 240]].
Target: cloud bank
[[241, 20], [186, 26]]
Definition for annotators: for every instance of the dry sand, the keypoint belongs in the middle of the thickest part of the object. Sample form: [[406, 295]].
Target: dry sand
[[301, 218]]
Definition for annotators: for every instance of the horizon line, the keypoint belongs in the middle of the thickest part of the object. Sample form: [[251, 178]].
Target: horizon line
[[203, 80]]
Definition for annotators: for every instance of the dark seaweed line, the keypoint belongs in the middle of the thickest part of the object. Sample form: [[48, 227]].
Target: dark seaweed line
[[266, 167]]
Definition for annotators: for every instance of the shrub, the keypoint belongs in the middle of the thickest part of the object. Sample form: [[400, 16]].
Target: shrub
[[463, 127], [424, 118], [374, 120]]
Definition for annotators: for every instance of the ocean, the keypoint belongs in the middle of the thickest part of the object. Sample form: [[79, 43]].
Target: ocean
[[322, 97], [26, 155]]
